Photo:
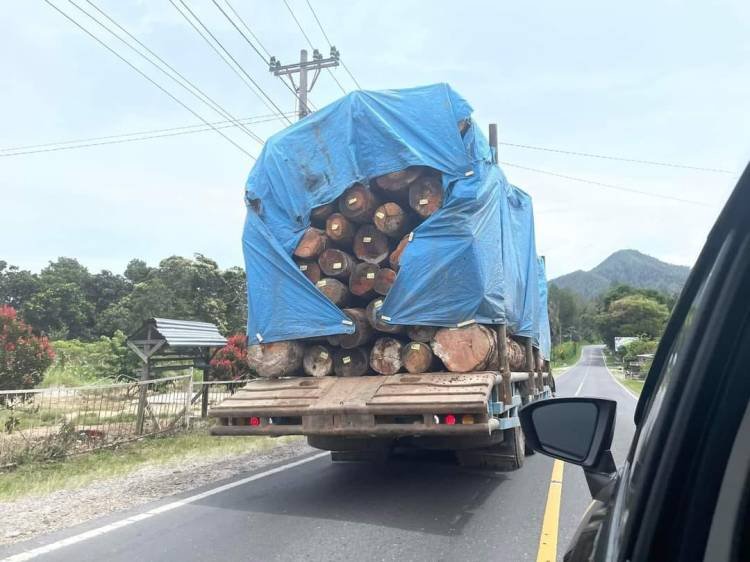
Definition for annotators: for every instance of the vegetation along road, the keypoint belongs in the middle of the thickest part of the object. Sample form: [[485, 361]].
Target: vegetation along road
[[423, 508]]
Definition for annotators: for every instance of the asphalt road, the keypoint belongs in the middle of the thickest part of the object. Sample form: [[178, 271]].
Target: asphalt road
[[424, 508]]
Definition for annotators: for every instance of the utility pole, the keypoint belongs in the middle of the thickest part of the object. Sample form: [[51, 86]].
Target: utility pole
[[302, 68]]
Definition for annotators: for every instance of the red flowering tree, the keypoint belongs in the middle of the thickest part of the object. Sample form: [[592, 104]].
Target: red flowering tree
[[230, 362], [23, 356]]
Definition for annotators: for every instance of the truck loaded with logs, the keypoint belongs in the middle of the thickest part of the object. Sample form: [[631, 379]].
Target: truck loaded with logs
[[395, 297]]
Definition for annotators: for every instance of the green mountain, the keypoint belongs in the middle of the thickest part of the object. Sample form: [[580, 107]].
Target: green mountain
[[629, 267]]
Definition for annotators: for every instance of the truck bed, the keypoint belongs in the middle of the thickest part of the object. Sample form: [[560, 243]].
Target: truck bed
[[402, 404]]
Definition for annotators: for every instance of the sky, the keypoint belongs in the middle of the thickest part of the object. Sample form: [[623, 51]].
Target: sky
[[666, 81]]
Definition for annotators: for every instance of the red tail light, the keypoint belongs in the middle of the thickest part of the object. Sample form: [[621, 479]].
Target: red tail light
[[254, 420], [449, 419]]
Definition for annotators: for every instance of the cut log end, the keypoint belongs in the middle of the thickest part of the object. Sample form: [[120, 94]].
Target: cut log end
[[395, 257], [417, 357], [362, 329], [384, 280], [317, 361], [339, 230], [370, 245], [319, 215], [358, 203], [309, 269], [466, 349], [312, 244], [385, 356], [426, 195], [398, 181], [351, 362], [391, 220], [422, 334], [336, 263], [335, 290], [363, 279], [374, 318], [275, 359]]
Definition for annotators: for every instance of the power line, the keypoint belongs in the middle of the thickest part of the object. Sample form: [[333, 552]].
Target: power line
[[228, 54], [127, 137], [247, 27], [266, 61], [147, 77], [618, 158], [294, 17], [190, 87], [250, 120], [602, 184], [320, 25]]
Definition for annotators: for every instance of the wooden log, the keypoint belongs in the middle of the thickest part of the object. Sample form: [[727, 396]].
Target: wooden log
[[351, 362], [373, 317], [417, 357], [384, 280], [317, 361], [340, 230], [422, 334], [336, 263], [426, 194], [363, 279], [370, 244], [395, 257], [358, 203], [465, 349], [516, 355], [275, 359], [385, 356], [309, 268], [335, 290], [398, 181], [312, 243], [319, 215], [391, 219], [362, 329]]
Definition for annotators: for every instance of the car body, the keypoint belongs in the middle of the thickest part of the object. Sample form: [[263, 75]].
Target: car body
[[683, 492]]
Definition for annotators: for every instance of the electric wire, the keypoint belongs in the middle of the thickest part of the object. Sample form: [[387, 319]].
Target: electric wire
[[147, 77], [320, 25], [194, 90], [230, 20], [294, 17], [602, 184], [618, 158], [127, 137], [247, 27], [250, 120], [258, 91]]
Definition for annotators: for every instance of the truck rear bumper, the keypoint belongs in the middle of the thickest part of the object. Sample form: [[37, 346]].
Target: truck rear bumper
[[371, 406]]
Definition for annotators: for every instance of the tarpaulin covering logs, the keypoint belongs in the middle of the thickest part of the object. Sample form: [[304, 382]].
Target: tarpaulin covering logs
[[472, 260]]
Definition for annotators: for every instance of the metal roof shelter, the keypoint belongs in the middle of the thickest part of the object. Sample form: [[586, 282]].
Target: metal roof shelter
[[164, 344]]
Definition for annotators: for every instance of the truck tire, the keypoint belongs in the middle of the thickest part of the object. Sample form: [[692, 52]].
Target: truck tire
[[507, 455]]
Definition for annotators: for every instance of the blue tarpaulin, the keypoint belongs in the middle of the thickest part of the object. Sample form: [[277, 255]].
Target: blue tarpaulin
[[542, 334], [453, 269]]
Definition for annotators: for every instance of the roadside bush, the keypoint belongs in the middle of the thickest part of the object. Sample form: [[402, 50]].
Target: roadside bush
[[23, 356], [230, 362], [566, 352], [80, 363]]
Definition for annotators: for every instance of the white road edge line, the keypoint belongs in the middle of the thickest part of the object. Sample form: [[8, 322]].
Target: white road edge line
[[29, 554], [629, 392]]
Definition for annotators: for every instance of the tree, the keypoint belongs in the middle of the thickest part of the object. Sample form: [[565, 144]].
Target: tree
[[16, 285], [60, 311], [23, 356], [137, 271], [632, 315]]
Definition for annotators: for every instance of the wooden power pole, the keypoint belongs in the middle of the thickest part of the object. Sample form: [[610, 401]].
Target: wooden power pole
[[304, 66]]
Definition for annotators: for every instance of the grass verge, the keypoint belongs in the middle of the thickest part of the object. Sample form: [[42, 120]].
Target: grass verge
[[77, 471], [566, 354], [635, 385]]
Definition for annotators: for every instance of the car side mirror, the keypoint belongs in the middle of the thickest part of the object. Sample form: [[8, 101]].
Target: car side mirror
[[575, 430]]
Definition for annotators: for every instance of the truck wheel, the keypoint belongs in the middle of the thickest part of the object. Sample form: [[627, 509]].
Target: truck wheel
[[507, 455]]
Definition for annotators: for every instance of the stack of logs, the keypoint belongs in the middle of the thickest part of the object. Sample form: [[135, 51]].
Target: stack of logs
[[351, 253]]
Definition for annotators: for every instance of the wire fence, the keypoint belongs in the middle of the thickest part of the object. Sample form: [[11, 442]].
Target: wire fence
[[44, 424]]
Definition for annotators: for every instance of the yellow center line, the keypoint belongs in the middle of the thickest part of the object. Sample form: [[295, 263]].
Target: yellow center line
[[548, 539]]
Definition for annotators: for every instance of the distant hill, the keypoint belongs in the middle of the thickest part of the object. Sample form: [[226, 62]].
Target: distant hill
[[629, 267]]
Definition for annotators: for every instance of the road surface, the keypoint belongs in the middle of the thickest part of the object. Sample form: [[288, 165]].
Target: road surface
[[424, 508]]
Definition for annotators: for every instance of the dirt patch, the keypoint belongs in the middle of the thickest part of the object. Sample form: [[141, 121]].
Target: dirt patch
[[28, 517]]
